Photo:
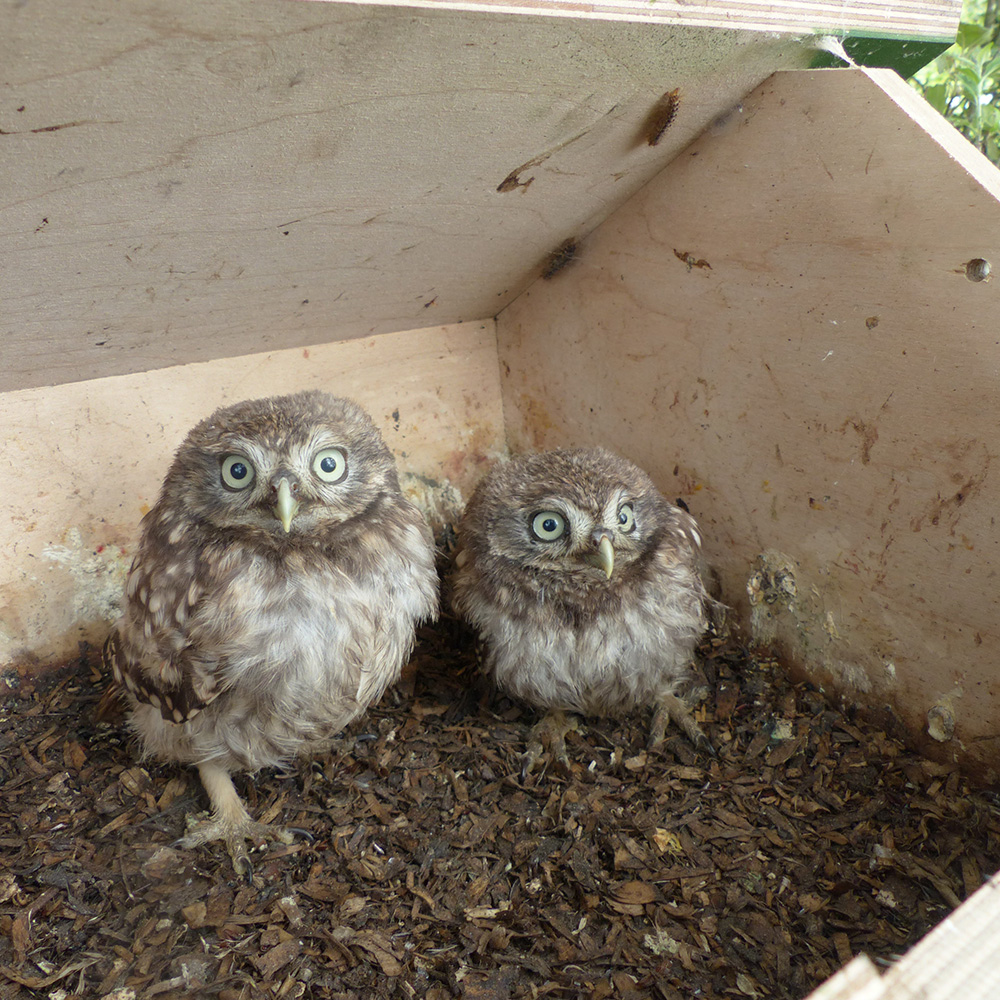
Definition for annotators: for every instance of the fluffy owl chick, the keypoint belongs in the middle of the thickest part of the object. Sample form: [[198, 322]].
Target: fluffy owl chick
[[583, 581], [274, 595]]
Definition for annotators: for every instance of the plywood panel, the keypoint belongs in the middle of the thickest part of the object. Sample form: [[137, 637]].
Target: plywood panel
[[781, 327], [82, 463], [937, 19], [183, 181]]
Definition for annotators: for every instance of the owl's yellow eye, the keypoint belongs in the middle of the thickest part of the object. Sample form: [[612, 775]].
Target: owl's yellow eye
[[330, 465], [237, 472], [548, 525], [626, 517]]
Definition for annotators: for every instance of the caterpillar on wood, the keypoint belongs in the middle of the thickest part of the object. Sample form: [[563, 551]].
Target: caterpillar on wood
[[662, 115]]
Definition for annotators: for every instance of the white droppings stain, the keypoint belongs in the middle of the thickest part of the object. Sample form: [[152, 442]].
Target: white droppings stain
[[830, 626], [98, 578], [784, 729], [440, 502]]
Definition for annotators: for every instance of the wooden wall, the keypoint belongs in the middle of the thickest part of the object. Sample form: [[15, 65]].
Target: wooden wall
[[186, 181]]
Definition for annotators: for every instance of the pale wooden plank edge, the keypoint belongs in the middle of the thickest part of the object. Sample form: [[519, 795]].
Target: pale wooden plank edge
[[858, 980], [958, 958], [914, 20]]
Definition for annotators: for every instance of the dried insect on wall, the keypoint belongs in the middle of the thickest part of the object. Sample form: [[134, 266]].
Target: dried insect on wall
[[561, 257]]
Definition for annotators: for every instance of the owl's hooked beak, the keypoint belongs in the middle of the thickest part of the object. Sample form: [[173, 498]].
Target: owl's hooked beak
[[287, 506], [604, 555]]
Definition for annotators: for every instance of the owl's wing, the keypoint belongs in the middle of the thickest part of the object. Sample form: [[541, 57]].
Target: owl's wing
[[178, 690], [151, 653], [681, 556], [372, 662], [382, 641], [686, 526]]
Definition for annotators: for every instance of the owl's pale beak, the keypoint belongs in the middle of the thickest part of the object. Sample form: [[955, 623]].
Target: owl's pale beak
[[287, 506], [604, 556]]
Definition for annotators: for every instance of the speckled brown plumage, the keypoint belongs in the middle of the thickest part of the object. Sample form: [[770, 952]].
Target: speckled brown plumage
[[274, 595], [595, 609]]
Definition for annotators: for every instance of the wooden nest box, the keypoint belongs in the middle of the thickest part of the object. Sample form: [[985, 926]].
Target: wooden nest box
[[645, 226], [506, 232], [648, 226]]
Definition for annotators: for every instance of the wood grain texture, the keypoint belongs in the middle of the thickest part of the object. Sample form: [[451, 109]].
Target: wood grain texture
[[85, 461], [199, 180], [780, 328], [932, 19]]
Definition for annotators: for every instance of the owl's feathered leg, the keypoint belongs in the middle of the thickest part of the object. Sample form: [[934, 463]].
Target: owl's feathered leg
[[670, 708], [549, 734], [230, 822]]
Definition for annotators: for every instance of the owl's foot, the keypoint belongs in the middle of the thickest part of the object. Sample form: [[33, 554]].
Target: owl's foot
[[235, 834], [549, 734], [669, 709], [230, 822]]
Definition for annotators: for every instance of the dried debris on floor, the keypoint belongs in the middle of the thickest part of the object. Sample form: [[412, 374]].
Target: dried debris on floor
[[437, 872]]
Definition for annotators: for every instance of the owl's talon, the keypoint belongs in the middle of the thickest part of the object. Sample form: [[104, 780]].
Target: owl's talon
[[229, 822], [234, 833], [669, 709], [298, 831], [242, 866], [549, 734], [528, 760]]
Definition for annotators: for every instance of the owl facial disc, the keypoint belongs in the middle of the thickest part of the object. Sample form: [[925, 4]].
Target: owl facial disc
[[287, 506], [604, 555]]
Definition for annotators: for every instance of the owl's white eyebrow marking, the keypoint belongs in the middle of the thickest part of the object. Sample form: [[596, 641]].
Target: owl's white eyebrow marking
[[610, 511]]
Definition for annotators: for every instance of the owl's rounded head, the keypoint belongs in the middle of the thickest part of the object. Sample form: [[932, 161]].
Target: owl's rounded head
[[282, 467], [587, 512]]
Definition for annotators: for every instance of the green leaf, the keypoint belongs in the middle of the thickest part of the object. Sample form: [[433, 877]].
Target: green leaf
[[963, 82], [971, 83], [971, 35], [992, 66], [990, 118], [937, 97]]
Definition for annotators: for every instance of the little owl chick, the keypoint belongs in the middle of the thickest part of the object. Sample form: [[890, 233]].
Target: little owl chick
[[583, 581], [274, 595]]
